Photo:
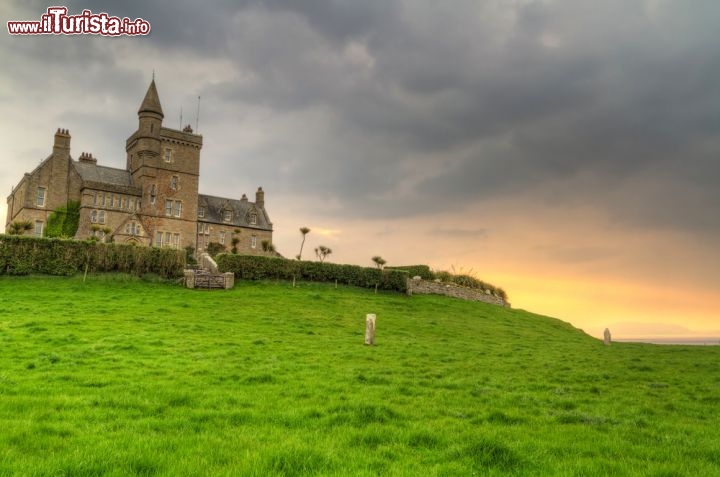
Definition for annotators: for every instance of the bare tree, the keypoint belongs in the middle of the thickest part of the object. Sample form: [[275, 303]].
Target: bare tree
[[322, 252], [304, 231]]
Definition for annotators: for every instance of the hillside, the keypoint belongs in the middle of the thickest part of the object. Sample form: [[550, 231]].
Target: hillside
[[119, 376]]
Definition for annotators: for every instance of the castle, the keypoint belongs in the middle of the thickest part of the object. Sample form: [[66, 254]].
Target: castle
[[154, 201]]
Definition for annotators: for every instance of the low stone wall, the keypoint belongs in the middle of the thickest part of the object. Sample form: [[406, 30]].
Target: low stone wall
[[419, 286]]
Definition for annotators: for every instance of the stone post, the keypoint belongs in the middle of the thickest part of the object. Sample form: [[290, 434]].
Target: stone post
[[370, 329], [606, 337], [190, 278], [229, 280]]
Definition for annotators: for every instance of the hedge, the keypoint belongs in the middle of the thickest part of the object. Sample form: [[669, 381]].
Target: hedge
[[422, 271], [22, 255], [256, 267]]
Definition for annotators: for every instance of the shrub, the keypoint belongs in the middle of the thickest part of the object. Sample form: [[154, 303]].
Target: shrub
[[422, 271], [256, 267], [64, 221], [214, 248]]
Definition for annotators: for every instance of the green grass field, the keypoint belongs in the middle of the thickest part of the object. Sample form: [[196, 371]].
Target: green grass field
[[119, 376]]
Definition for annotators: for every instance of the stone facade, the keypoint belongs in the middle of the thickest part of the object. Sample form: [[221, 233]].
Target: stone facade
[[419, 286], [153, 201]]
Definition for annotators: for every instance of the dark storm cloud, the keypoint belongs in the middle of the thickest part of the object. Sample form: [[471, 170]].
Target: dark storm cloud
[[511, 95]]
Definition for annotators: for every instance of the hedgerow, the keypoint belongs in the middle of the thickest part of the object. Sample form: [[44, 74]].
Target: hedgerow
[[254, 267], [22, 255], [422, 271]]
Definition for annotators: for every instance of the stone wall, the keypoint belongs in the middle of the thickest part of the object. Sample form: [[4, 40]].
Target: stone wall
[[419, 286]]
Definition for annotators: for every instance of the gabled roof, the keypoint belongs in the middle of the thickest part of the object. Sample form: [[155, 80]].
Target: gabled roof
[[215, 208], [106, 178], [151, 103]]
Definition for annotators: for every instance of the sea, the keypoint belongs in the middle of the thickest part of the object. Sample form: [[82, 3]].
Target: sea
[[695, 341]]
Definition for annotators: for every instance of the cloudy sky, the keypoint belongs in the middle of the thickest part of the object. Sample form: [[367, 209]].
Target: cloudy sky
[[566, 150]]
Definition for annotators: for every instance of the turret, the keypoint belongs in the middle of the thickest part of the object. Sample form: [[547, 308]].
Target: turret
[[150, 116]]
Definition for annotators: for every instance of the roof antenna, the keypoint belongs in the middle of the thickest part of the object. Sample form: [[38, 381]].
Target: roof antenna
[[197, 117]]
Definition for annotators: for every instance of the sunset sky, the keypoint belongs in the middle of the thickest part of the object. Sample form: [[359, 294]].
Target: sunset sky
[[565, 150]]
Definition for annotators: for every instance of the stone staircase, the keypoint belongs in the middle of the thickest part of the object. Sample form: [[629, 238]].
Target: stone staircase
[[207, 276]]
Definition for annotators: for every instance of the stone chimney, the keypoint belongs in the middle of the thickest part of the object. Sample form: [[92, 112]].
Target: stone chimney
[[243, 198], [87, 158], [260, 197], [62, 142]]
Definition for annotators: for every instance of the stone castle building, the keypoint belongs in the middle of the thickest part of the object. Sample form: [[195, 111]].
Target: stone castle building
[[154, 201]]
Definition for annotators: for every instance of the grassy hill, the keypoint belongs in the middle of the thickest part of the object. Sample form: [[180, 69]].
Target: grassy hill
[[118, 376]]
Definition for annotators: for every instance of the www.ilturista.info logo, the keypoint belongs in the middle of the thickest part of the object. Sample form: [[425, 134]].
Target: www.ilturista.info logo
[[57, 22]]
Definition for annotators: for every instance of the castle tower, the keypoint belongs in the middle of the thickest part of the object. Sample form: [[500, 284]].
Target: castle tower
[[165, 164]]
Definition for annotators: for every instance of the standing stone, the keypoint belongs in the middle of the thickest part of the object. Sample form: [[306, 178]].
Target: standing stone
[[370, 329], [607, 338]]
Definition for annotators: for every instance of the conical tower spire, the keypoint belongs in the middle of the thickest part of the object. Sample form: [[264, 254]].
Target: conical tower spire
[[151, 103]]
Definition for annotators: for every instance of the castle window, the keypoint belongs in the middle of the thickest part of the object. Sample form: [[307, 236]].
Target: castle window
[[168, 155], [173, 208], [253, 219], [132, 228], [38, 228], [153, 194], [201, 211], [168, 236], [174, 182], [101, 217], [176, 240], [95, 198], [93, 216], [227, 215], [253, 241], [132, 204], [158, 239], [117, 201], [107, 200], [40, 200], [222, 237], [124, 202]]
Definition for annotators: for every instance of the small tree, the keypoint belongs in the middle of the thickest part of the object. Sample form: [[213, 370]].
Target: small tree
[[19, 227], [379, 261], [322, 252], [304, 231], [267, 246]]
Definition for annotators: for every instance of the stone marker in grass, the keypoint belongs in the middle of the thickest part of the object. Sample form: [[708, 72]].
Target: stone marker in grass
[[607, 338], [370, 329]]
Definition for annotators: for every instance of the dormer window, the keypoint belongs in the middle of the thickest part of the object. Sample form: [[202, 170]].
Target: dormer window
[[227, 215], [201, 211], [253, 219]]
